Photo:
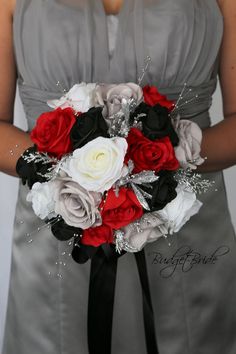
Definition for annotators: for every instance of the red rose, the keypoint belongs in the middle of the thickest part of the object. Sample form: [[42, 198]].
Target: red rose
[[52, 132], [119, 211], [151, 155], [96, 236], [153, 97]]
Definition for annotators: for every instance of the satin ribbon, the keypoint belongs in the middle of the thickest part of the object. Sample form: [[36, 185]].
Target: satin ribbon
[[148, 315], [101, 301]]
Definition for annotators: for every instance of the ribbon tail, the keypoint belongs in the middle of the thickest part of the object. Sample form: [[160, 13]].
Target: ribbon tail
[[101, 302], [149, 324]]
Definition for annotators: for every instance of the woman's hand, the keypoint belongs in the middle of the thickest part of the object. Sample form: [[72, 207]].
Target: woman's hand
[[219, 141], [13, 141]]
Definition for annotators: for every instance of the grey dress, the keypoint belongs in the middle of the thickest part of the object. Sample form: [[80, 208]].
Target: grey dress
[[193, 295]]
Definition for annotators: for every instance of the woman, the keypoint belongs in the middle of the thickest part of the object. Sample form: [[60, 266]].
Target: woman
[[67, 41]]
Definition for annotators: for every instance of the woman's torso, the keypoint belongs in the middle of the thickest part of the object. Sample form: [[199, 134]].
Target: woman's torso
[[55, 40], [67, 41]]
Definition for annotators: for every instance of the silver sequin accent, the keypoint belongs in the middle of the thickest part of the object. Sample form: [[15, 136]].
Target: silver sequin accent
[[121, 244]]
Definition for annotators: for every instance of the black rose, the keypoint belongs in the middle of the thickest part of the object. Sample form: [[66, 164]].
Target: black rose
[[156, 122], [31, 172], [162, 191], [88, 126], [64, 232]]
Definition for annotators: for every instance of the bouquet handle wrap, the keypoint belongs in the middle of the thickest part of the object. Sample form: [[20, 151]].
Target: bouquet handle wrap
[[101, 301]]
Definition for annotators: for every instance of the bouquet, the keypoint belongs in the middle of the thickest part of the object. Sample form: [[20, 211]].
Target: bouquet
[[112, 164], [111, 169]]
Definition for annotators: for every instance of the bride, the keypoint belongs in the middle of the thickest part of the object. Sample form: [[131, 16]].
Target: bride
[[70, 41]]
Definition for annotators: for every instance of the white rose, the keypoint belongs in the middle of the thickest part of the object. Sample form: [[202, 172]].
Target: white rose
[[98, 164], [42, 198], [81, 98], [180, 210]]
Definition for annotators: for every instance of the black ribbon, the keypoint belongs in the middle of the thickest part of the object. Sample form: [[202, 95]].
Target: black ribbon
[[148, 315], [101, 301]]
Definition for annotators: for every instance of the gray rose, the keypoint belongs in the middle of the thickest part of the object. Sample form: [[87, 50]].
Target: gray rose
[[136, 235], [188, 150], [111, 97], [78, 207]]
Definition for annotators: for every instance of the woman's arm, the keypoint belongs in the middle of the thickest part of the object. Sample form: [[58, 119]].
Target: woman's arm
[[13, 141], [219, 141]]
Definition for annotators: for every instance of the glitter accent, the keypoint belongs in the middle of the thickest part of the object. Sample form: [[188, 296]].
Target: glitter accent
[[139, 178], [193, 181], [120, 125], [122, 244], [140, 197], [183, 100], [144, 70], [144, 177], [58, 84], [37, 157]]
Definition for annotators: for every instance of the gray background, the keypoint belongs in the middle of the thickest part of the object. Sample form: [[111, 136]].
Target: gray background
[[8, 194]]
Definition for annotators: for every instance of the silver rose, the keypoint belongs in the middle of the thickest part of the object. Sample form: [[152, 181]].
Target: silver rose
[[113, 96], [136, 235], [188, 150], [78, 207]]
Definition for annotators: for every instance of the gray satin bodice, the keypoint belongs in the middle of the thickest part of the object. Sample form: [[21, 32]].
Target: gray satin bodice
[[55, 41]]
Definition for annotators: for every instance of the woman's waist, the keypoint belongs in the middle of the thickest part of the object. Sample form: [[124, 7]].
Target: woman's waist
[[191, 102]]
